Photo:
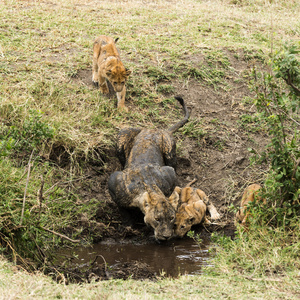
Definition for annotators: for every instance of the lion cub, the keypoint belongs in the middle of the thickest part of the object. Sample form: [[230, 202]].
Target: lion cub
[[107, 65], [250, 194], [192, 210]]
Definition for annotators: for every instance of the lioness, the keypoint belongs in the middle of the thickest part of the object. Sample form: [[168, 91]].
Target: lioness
[[107, 65], [192, 210], [148, 179], [250, 194]]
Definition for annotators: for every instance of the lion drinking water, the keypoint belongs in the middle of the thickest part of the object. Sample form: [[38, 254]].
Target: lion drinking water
[[148, 180], [193, 205]]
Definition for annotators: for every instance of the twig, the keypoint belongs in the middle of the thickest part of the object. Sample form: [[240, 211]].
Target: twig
[[40, 196], [191, 182], [66, 182], [28, 175], [60, 235], [97, 258], [289, 82], [105, 264]]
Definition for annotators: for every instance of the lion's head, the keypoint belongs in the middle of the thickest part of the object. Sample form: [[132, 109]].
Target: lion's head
[[160, 212], [189, 214], [117, 74], [192, 209]]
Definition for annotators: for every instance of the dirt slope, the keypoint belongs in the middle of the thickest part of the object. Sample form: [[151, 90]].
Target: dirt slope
[[216, 152]]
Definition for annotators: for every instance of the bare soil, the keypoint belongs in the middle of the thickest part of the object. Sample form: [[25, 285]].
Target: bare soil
[[219, 159]]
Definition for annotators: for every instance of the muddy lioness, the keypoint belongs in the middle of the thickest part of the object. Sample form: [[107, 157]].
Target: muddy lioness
[[250, 194], [107, 65], [193, 205], [148, 180]]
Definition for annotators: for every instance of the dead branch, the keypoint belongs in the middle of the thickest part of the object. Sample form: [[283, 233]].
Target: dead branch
[[191, 182], [60, 235], [40, 195], [28, 175]]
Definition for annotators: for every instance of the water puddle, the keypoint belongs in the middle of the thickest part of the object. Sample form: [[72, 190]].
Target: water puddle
[[173, 258]]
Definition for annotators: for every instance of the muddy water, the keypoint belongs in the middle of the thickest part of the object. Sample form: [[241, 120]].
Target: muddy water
[[171, 258]]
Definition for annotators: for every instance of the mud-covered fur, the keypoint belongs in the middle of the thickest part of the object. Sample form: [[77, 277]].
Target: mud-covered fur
[[192, 210], [251, 193], [148, 180], [107, 65]]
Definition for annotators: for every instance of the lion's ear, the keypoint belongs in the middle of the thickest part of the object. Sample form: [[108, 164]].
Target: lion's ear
[[174, 199], [128, 72], [148, 199], [144, 201], [177, 189]]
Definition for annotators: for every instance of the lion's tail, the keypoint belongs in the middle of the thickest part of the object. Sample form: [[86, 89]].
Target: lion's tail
[[179, 124]]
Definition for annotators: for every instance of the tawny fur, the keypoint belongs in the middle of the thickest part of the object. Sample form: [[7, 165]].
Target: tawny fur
[[192, 210], [250, 194], [107, 65], [148, 179]]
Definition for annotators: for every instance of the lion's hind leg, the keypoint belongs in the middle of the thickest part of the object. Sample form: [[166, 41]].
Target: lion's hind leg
[[125, 142], [169, 150], [210, 207]]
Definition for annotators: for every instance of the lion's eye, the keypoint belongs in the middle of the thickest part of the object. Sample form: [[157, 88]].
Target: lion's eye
[[157, 219], [182, 226], [115, 82]]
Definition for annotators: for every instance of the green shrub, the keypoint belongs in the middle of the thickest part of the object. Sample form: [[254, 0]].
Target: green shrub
[[270, 243], [278, 105]]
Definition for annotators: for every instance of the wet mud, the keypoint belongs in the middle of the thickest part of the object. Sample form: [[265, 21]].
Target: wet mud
[[122, 260]]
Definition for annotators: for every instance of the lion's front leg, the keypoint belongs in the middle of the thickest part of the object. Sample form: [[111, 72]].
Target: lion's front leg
[[95, 72], [210, 207], [102, 84], [96, 53], [121, 99]]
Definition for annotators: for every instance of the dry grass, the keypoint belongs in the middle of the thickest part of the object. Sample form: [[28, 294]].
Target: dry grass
[[45, 67], [45, 45]]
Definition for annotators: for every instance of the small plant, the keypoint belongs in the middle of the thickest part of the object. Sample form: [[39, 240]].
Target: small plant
[[32, 133], [165, 88], [157, 74], [251, 123], [6, 145], [196, 237], [194, 129]]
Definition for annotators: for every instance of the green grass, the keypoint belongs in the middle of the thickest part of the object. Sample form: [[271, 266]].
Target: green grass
[[260, 251], [19, 284]]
